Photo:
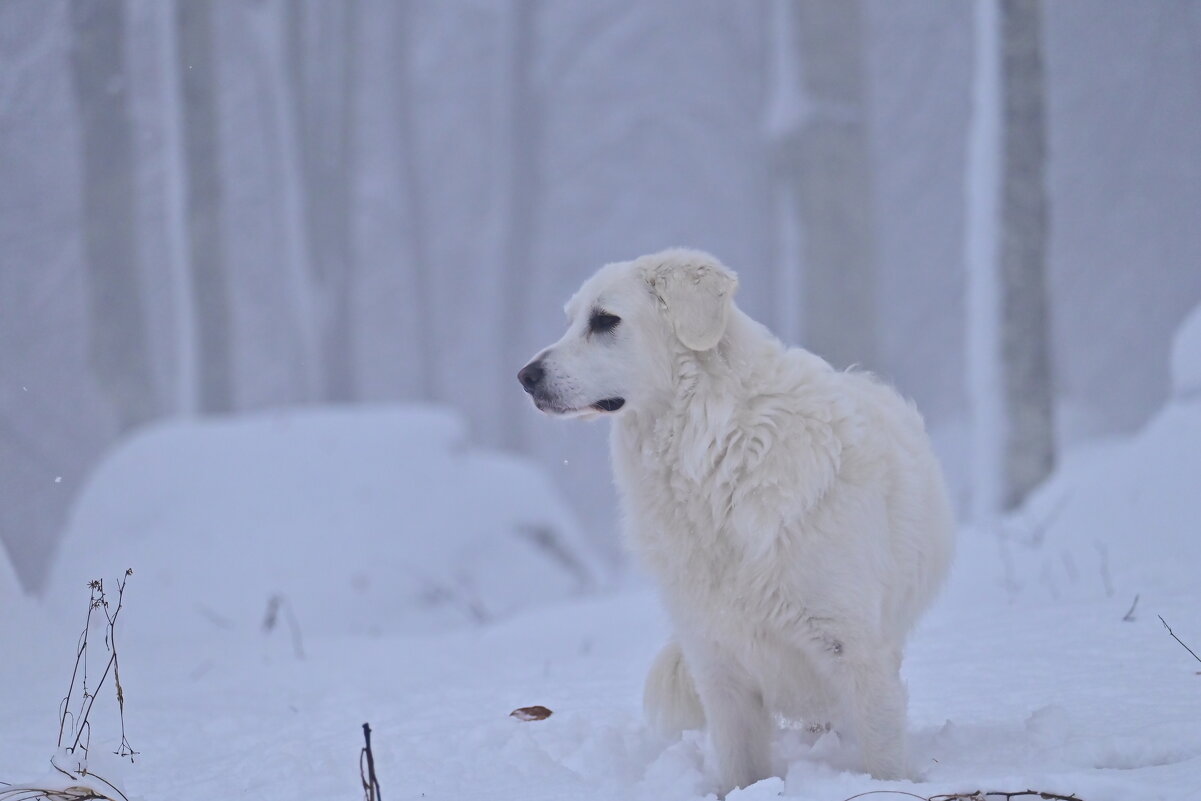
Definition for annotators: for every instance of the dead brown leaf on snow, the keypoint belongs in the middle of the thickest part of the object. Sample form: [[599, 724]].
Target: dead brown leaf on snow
[[531, 713]]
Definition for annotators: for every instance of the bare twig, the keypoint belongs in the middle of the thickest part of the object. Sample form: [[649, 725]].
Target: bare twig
[[1177, 639], [1001, 795], [81, 726], [371, 791], [975, 795], [81, 650], [1129, 616], [77, 789], [274, 604], [101, 601], [124, 749], [78, 793], [111, 786]]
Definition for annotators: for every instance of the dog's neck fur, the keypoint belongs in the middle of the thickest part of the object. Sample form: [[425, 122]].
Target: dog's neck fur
[[706, 393]]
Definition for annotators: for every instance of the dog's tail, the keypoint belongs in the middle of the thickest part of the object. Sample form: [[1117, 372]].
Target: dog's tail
[[670, 698]]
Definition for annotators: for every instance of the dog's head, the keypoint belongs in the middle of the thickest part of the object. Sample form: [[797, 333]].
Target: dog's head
[[626, 326]]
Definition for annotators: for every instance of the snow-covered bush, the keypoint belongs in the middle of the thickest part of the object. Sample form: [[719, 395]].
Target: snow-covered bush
[[364, 520]]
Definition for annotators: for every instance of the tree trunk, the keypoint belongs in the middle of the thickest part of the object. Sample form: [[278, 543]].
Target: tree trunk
[[784, 122], [1029, 445], [320, 56], [185, 395], [119, 355], [1009, 369], [519, 198], [419, 269], [833, 185], [202, 150]]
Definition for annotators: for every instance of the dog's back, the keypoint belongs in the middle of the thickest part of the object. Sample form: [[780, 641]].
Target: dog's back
[[837, 538], [921, 522]]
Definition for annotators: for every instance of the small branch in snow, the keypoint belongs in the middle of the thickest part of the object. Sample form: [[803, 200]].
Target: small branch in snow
[[77, 790], [275, 604], [1177, 639], [32, 793], [1129, 616], [975, 795], [371, 791]]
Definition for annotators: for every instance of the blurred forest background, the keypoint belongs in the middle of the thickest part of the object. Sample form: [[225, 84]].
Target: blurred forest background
[[208, 208]]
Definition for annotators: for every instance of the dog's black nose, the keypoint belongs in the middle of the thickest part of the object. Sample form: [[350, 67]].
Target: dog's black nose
[[530, 375]]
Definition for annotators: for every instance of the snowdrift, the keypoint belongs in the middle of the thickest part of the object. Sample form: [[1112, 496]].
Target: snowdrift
[[355, 521], [1122, 517]]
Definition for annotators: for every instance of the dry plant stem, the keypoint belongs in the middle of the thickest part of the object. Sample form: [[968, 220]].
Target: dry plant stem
[[977, 795], [97, 777], [1129, 616], [371, 789], [74, 792], [78, 790], [112, 664], [125, 749], [46, 794], [80, 658], [275, 604], [81, 724], [1177, 639], [1000, 795], [78, 780]]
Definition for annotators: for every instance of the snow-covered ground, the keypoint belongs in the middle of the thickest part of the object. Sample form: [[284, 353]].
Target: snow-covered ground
[[1029, 673]]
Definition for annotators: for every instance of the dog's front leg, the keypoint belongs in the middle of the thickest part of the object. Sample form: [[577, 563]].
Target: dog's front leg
[[739, 724], [877, 707], [868, 679]]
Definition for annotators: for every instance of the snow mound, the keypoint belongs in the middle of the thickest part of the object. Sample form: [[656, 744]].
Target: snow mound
[[1117, 519], [326, 521], [1186, 357]]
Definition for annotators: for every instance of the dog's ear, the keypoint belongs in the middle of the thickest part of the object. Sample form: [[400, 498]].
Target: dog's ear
[[696, 292]]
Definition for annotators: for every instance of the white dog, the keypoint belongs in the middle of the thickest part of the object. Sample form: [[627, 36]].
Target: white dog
[[794, 516]]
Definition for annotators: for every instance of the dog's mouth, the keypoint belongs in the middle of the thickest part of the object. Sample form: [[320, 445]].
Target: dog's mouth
[[601, 406], [609, 404]]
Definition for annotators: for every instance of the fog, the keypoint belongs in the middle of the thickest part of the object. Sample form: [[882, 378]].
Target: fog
[[209, 208]]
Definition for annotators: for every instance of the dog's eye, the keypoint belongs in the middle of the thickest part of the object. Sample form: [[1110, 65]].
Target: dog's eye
[[602, 322]]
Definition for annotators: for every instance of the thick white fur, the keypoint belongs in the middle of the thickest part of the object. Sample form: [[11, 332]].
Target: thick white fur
[[794, 516]]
